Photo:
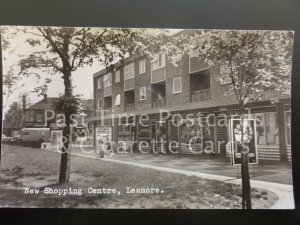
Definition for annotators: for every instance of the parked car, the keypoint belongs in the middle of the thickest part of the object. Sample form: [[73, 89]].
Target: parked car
[[5, 138], [35, 134]]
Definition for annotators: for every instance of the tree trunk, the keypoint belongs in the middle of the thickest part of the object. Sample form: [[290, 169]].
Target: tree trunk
[[66, 138], [246, 188]]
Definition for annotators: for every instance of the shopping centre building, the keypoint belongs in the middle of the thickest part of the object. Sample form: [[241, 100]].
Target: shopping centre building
[[158, 93]]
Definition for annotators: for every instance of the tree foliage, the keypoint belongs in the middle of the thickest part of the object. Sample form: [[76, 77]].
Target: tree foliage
[[71, 48], [15, 115], [10, 77], [64, 50], [255, 62]]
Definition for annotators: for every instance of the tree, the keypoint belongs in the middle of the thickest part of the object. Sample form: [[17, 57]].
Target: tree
[[10, 77], [257, 63], [15, 115], [63, 51]]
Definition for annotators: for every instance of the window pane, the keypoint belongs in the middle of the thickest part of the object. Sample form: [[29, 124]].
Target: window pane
[[271, 129], [143, 93], [142, 68], [118, 99], [177, 85], [158, 61], [129, 71], [260, 129], [117, 76], [107, 80], [267, 129]]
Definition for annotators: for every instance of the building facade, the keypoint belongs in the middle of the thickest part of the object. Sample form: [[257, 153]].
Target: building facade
[[165, 92], [43, 115]]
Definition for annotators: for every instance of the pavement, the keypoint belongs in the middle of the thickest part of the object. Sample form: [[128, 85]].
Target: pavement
[[272, 176], [276, 172]]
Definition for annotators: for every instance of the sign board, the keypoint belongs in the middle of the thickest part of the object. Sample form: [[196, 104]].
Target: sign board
[[144, 133], [103, 136], [56, 137], [249, 140]]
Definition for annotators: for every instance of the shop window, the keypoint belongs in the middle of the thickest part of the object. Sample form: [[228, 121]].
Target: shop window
[[267, 129]]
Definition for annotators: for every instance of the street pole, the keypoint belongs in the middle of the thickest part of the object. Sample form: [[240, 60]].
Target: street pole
[[246, 188]]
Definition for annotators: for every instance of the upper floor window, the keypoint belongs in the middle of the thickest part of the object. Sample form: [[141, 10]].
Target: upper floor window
[[143, 93], [129, 71], [159, 61], [118, 99], [142, 66], [117, 76], [177, 85], [99, 103], [107, 80], [99, 83]]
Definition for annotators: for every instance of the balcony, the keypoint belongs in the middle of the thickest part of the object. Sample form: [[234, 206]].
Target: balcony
[[158, 95], [107, 103], [202, 95], [158, 103], [129, 101], [130, 107]]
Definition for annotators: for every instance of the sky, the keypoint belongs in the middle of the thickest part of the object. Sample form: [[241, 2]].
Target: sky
[[82, 78]]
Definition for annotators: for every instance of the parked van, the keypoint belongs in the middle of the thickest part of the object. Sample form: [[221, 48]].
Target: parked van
[[35, 134]]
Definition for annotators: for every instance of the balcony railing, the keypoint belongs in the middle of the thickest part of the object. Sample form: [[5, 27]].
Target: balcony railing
[[130, 107], [157, 103], [203, 95]]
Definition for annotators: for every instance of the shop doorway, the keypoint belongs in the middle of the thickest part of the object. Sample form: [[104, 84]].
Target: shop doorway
[[159, 136], [133, 138]]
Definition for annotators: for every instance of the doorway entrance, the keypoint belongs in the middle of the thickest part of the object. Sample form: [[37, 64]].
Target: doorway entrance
[[159, 136]]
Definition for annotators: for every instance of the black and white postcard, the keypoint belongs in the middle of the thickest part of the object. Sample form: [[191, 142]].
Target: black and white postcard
[[137, 118]]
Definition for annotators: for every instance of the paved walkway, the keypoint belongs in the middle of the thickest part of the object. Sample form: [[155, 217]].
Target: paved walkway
[[264, 171], [265, 176]]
